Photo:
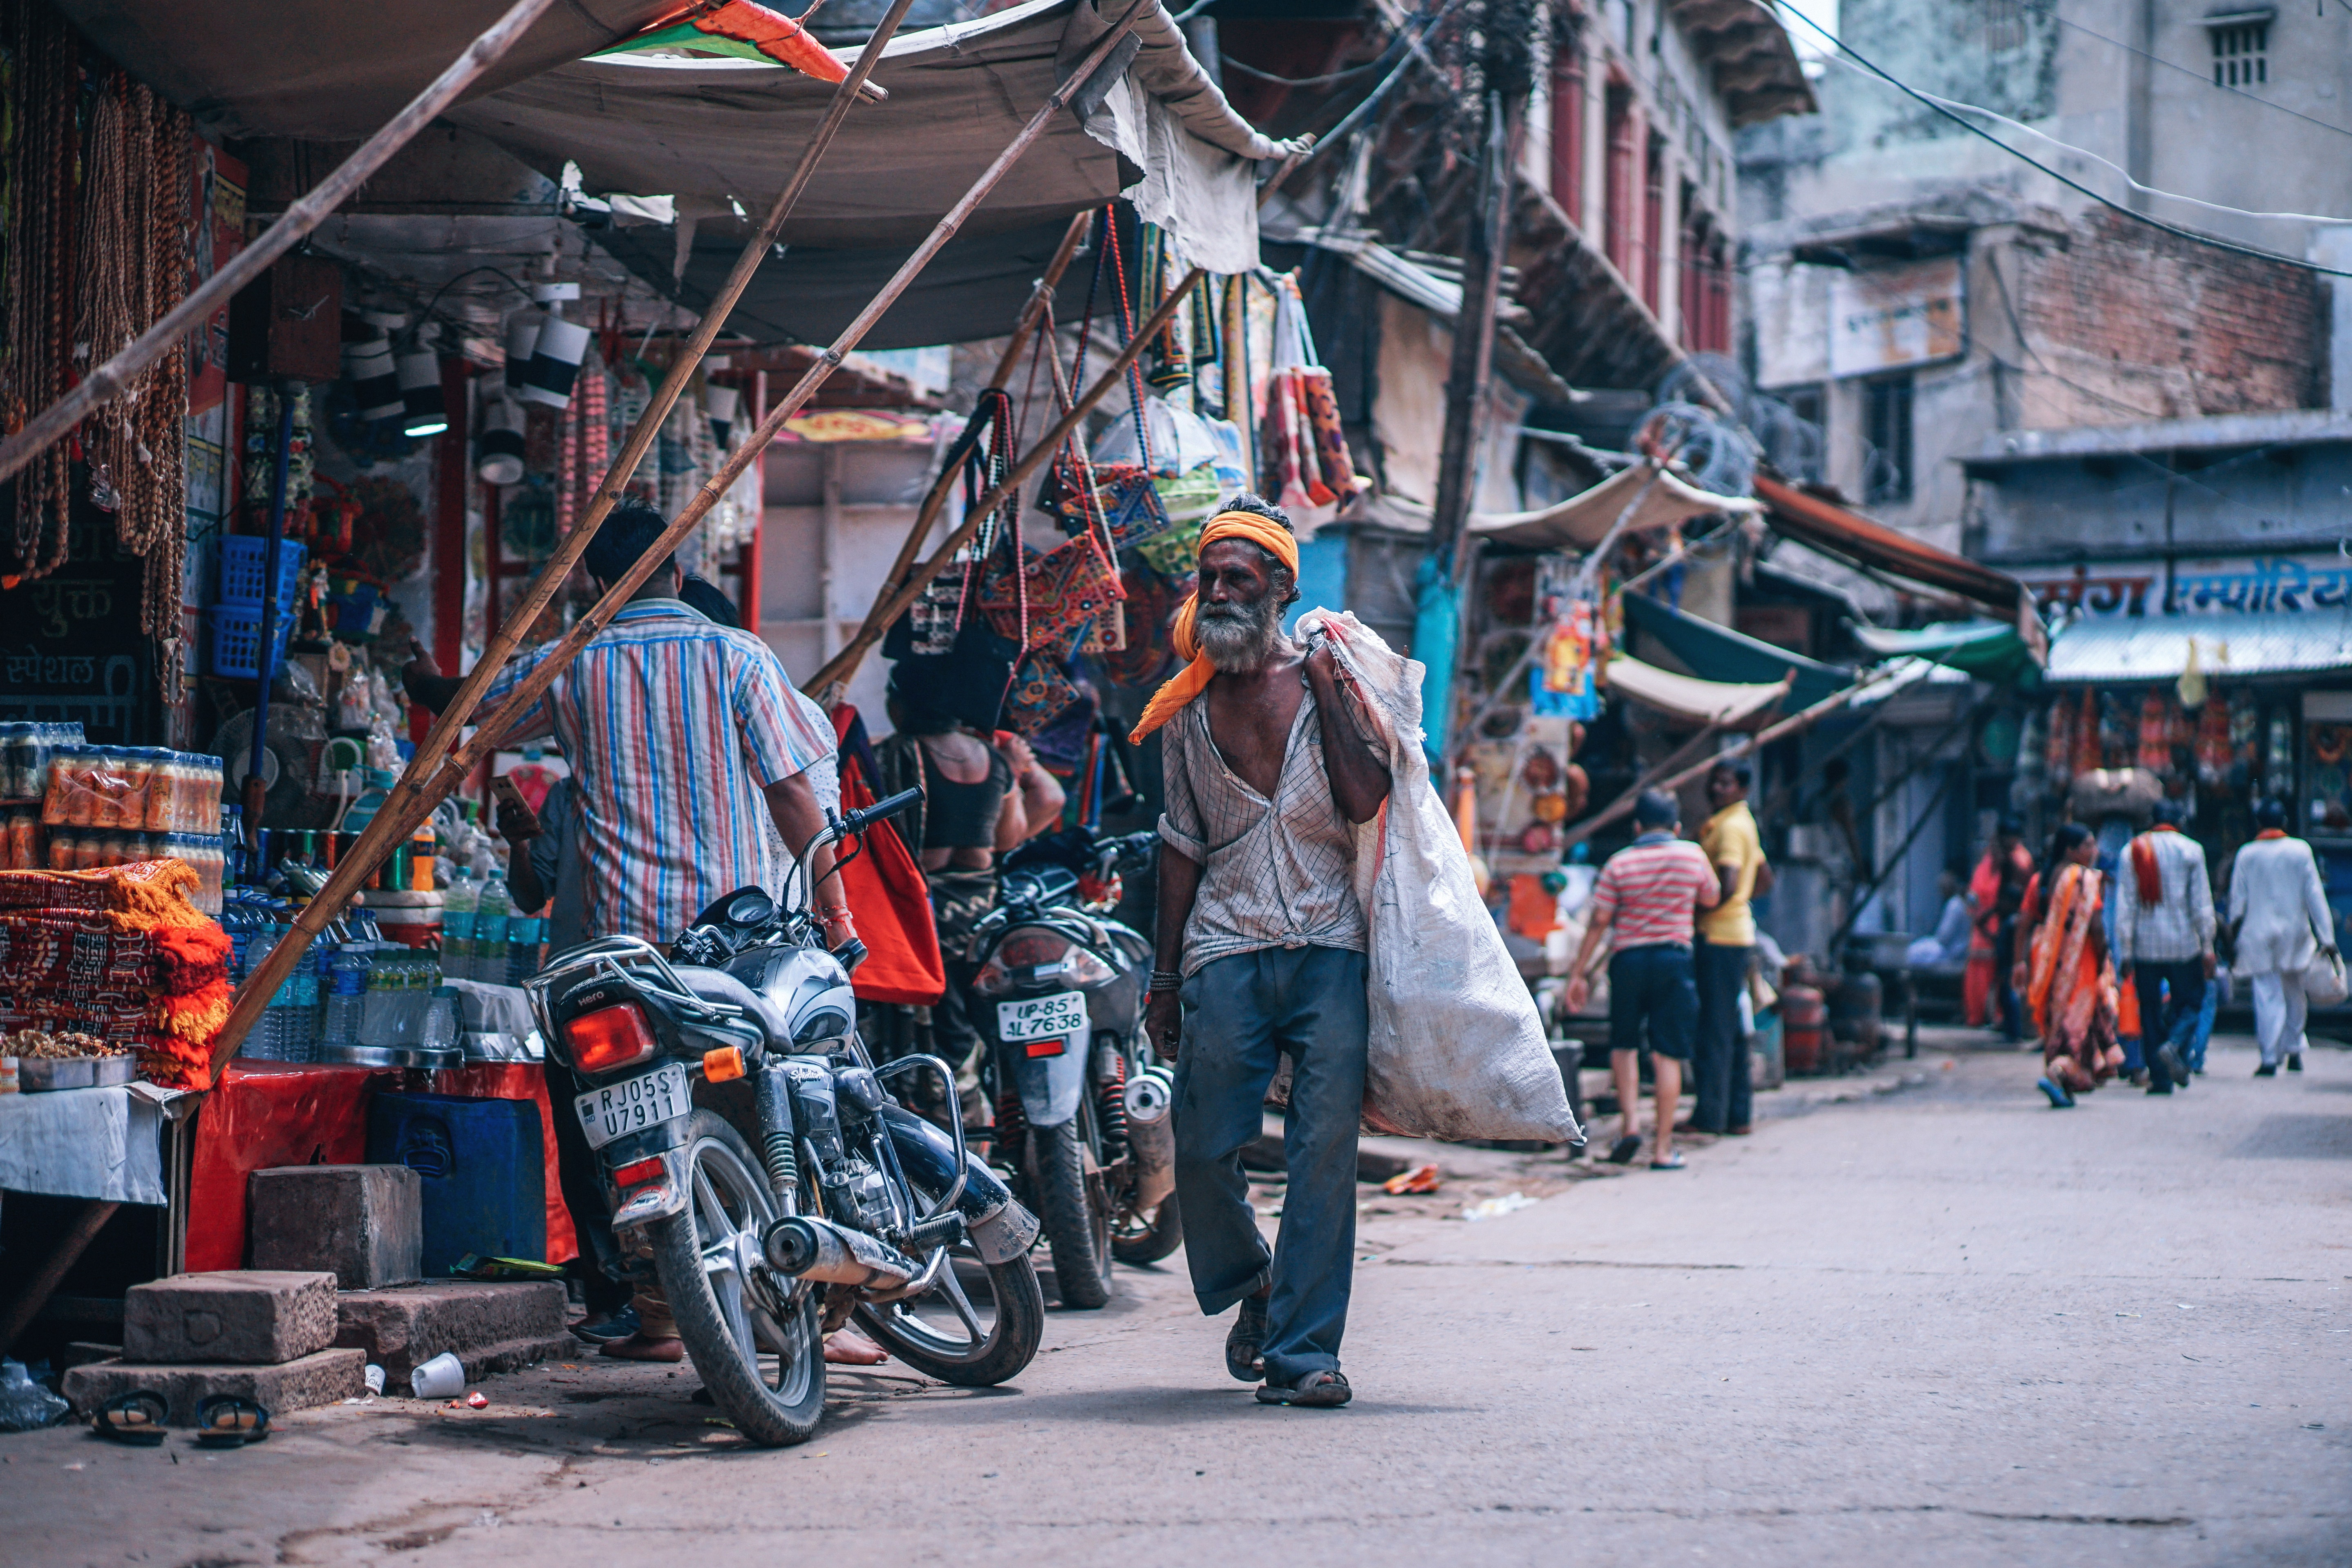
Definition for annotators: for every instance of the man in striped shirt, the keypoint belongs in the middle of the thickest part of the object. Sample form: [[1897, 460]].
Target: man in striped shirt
[[1644, 902]]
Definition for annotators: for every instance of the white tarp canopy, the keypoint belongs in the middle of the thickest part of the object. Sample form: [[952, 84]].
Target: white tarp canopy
[[722, 134], [1689, 699], [1584, 519]]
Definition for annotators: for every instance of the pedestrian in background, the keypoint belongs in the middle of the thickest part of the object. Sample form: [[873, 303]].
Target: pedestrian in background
[[2013, 868], [2164, 941], [1644, 901], [2068, 978], [1723, 1088], [2280, 917]]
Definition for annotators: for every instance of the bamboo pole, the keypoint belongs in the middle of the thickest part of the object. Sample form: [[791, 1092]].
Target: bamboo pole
[[1794, 724], [896, 603], [1031, 315], [113, 378], [439, 766]]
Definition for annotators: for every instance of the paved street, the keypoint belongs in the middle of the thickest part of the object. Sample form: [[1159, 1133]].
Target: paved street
[[1933, 1322]]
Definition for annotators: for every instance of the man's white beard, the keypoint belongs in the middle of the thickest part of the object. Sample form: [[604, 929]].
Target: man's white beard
[[1239, 644]]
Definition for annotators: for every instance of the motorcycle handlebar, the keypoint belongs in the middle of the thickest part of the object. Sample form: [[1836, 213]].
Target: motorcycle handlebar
[[866, 816]]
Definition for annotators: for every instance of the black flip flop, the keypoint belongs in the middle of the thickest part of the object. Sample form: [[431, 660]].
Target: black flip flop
[[136, 1419], [230, 1421], [1621, 1153], [1313, 1391]]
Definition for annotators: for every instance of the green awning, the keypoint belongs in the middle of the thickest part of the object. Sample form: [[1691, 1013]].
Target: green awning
[[1719, 653], [1989, 650]]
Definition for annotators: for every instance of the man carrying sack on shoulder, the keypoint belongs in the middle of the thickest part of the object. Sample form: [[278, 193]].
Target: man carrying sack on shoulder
[[1260, 934]]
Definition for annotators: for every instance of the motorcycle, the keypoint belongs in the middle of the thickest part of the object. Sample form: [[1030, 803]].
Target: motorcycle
[[756, 1154], [1081, 1100]]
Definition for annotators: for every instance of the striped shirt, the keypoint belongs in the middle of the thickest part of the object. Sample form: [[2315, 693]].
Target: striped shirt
[[1650, 888], [672, 726]]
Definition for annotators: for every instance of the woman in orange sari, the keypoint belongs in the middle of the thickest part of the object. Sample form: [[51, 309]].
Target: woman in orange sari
[[2072, 988]]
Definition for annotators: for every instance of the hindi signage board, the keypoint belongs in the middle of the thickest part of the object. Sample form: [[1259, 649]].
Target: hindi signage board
[[2249, 584], [1888, 318]]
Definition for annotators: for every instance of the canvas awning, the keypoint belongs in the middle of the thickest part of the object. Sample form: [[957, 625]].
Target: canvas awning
[[719, 133], [1856, 540], [1719, 654], [1584, 519], [1689, 700], [1991, 650]]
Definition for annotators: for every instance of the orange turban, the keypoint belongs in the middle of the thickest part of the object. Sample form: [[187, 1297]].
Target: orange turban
[[1193, 679]]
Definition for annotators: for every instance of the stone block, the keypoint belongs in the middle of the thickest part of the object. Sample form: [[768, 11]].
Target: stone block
[[322, 1377], [363, 1224], [249, 1315], [489, 1327]]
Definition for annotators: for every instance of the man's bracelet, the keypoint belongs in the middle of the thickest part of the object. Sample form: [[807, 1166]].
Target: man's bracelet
[[1165, 980]]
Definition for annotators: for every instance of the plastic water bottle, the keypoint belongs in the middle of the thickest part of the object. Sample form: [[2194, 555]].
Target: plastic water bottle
[[525, 935], [490, 917], [459, 918], [348, 999]]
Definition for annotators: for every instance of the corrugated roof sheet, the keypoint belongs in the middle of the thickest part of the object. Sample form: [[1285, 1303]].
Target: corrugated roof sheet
[[2156, 647]]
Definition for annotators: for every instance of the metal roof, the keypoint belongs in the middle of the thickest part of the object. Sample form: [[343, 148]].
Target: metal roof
[[2124, 648]]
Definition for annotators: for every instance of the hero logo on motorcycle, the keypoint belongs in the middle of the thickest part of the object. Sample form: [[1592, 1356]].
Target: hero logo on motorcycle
[[616, 1109], [1043, 1023]]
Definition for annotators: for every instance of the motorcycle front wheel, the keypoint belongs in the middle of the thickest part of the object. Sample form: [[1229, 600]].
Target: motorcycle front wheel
[[737, 1318]]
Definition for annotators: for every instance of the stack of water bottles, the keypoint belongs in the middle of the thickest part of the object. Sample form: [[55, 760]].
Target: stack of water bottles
[[482, 938]]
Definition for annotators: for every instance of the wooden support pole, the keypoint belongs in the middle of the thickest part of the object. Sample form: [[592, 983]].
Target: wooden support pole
[[1033, 312], [439, 764], [113, 378], [842, 664]]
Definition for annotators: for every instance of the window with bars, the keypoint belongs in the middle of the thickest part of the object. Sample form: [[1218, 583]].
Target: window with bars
[[2242, 54], [1886, 425]]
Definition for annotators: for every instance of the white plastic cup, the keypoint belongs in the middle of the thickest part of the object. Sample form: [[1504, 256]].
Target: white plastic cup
[[443, 1377], [374, 1375]]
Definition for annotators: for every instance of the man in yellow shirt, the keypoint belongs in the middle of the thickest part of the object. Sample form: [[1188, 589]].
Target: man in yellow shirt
[[1726, 946]]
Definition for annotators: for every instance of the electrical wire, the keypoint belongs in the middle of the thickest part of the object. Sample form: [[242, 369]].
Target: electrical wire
[[1326, 80], [2192, 71], [2171, 229]]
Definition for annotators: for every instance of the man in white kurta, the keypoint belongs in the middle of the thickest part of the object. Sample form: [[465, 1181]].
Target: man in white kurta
[[2280, 912]]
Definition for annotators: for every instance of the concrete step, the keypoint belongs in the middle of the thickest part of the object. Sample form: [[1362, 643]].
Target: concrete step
[[322, 1377], [489, 1327], [253, 1316]]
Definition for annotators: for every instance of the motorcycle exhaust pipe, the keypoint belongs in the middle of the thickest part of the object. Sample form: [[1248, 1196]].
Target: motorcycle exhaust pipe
[[1151, 1135], [807, 1248]]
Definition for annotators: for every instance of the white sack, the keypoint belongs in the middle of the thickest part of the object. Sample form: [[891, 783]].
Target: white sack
[[1456, 1047]]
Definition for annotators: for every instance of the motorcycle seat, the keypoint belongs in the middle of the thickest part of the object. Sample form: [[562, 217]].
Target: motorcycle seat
[[718, 985]]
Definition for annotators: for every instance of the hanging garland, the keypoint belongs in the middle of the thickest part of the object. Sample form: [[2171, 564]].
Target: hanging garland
[[44, 92]]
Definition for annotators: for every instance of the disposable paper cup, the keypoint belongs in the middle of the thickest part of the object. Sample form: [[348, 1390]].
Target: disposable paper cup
[[374, 1375], [443, 1377]]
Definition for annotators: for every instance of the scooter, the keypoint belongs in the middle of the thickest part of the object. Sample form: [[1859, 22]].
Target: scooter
[[1081, 1100]]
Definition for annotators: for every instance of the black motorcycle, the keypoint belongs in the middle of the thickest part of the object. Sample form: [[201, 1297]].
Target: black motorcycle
[[757, 1155], [1081, 1102]]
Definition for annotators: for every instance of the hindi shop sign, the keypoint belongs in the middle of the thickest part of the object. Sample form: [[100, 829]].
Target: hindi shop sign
[[2253, 585], [1886, 317]]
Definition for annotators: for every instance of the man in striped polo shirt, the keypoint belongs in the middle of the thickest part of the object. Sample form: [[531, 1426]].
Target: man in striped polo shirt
[[1644, 902]]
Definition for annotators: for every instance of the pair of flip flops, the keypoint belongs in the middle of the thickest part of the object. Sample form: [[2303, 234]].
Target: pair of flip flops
[[223, 1420]]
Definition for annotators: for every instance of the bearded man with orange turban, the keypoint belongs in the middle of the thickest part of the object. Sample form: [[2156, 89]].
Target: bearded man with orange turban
[[1266, 772]]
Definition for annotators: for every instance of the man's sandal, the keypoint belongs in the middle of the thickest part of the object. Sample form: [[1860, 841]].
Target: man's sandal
[[1314, 1390], [1245, 1344]]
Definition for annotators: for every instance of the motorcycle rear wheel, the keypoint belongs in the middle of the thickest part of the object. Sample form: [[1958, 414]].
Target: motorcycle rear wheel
[[1133, 1243], [731, 1309], [1073, 1208], [981, 1356]]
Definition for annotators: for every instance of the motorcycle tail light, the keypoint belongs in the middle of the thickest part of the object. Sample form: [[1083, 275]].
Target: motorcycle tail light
[[609, 1038], [1027, 948], [639, 1172]]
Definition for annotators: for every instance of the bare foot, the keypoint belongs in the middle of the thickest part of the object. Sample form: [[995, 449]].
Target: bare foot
[[636, 1347], [847, 1347]]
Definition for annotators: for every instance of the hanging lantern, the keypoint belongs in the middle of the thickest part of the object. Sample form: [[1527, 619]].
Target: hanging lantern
[[498, 457], [722, 403], [375, 385], [423, 412], [522, 337], [554, 363]]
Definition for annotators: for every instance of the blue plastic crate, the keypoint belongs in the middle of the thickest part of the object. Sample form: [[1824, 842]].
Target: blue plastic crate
[[242, 561], [480, 1166], [233, 633]]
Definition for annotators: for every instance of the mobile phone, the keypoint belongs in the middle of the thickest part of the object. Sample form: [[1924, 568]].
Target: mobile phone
[[507, 793]]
